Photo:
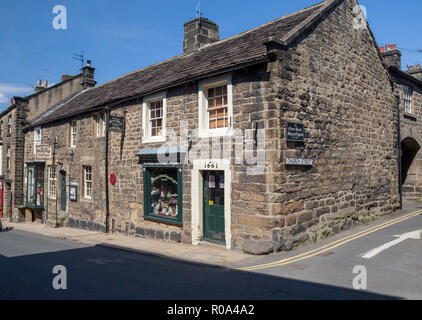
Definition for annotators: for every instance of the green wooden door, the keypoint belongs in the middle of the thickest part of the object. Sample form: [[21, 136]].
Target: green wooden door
[[214, 228], [63, 190]]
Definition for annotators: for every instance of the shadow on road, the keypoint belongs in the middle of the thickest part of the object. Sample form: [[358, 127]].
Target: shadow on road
[[103, 273]]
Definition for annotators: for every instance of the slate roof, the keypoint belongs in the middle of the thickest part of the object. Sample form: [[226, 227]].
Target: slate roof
[[244, 49]]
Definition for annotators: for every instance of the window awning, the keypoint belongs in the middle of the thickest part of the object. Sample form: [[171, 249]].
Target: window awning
[[162, 156]]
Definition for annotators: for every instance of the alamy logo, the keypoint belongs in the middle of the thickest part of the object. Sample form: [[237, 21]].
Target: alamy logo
[[360, 282], [60, 281], [60, 20]]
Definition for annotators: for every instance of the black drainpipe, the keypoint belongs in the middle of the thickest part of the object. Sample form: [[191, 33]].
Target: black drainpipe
[[400, 151], [107, 115]]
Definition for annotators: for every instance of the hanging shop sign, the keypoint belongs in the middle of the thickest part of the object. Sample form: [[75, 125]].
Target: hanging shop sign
[[116, 123], [299, 162], [295, 132], [43, 152]]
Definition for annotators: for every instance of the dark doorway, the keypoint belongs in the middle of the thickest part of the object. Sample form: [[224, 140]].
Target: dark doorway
[[63, 190], [410, 149]]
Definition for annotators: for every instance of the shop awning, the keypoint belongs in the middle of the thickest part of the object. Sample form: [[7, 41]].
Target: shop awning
[[162, 156]]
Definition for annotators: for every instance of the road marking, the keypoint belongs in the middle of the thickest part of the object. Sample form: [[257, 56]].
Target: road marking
[[332, 245], [415, 235]]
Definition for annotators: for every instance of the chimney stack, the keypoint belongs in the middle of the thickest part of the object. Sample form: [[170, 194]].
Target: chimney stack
[[88, 76], [198, 33], [40, 87], [415, 71], [391, 55]]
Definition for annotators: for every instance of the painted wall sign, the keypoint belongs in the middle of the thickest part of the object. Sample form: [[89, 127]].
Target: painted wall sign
[[43, 152], [299, 162], [116, 124], [295, 132], [113, 179]]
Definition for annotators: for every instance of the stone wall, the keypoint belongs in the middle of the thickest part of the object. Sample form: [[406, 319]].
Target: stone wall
[[334, 83], [411, 138]]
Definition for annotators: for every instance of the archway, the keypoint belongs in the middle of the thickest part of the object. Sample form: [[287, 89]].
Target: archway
[[411, 164]]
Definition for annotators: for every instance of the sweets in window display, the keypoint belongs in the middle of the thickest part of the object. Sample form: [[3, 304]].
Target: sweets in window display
[[164, 198]]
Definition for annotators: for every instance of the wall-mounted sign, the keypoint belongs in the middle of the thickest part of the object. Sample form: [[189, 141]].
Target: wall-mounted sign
[[113, 179], [73, 192], [299, 162], [116, 123], [295, 132], [43, 152]]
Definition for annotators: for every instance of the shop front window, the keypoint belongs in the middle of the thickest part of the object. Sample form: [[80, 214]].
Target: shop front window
[[35, 186], [163, 194]]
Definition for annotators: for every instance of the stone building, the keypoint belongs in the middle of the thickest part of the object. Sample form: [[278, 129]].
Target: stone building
[[408, 91], [20, 113], [281, 135]]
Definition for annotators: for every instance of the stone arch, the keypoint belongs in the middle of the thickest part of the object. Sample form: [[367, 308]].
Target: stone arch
[[411, 164]]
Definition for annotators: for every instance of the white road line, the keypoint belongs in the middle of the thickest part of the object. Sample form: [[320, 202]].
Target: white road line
[[416, 235]]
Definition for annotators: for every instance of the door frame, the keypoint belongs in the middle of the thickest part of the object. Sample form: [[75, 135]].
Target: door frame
[[197, 198]]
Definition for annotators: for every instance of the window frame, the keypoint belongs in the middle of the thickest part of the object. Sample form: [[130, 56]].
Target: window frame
[[9, 125], [85, 181], [36, 167], [147, 196], [73, 140], [100, 124], [146, 124], [8, 156], [37, 138], [408, 98], [50, 184], [203, 126]]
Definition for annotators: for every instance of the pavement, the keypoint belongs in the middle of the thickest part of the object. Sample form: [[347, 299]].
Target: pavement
[[204, 253], [105, 266]]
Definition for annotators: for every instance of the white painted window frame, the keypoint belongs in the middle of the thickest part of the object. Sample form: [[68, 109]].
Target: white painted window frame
[[147, 138], [86, 181], [73, 135], [203, 118], [52, 182], [407, 98], [100, 125], [37, 138]]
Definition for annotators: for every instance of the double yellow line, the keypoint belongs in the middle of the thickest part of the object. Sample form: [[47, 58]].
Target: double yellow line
[[332, 245]]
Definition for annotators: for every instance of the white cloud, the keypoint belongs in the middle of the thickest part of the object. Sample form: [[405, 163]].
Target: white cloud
[[12, 89], [7, 91], [3, 99]]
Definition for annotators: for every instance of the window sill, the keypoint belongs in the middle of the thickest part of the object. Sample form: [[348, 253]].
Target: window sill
[[215, 133], [410, 116], [154, 139], [163, 220]]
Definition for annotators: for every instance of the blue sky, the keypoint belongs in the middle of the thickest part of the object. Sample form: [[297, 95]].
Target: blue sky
[[122, 36]]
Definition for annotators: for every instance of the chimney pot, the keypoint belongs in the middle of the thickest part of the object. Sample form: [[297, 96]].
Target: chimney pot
[[11, 101], [45, 83], [381, 49], [391, 56]]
